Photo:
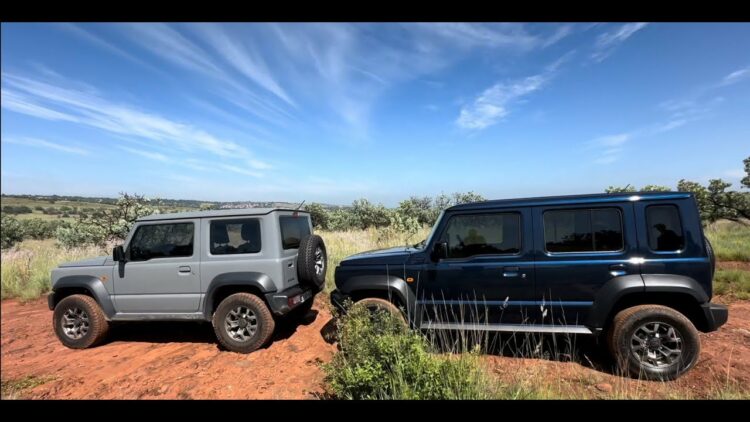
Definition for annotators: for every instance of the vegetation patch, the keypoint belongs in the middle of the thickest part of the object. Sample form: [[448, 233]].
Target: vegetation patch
[[734, 283], [13, 389]]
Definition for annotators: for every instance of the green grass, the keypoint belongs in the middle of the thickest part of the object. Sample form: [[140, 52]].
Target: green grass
[[731, 241], [735, 283], [13, 389], [341, 244], [26, 267]]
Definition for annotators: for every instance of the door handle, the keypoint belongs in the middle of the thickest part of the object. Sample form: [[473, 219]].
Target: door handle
[[510, 271], [617, 270], [184, 269]]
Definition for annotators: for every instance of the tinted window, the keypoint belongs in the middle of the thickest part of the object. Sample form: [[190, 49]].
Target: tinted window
[[487, 234], [664, 228], [589, 230], [162, 241], [293, 229], [235, 236]]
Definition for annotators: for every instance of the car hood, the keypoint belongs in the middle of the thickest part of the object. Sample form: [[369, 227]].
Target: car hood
[[390, 256], [91, 262]]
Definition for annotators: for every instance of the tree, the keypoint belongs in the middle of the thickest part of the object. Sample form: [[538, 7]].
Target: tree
[[319, 215], [417, 208], [746, 179], [108, 224], [631, 189], [367, 214]]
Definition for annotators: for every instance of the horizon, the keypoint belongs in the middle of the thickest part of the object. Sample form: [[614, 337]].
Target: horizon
[[331, 113]]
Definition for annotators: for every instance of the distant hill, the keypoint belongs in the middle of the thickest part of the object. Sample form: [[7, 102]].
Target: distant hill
[[173, 203]]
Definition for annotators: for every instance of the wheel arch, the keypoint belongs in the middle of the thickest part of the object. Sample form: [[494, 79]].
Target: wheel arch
[[86, 285], [227, 284]]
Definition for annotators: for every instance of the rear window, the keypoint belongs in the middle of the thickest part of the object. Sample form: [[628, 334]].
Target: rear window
[[584, 230], [664, 228], [293, 229], [230, 237]]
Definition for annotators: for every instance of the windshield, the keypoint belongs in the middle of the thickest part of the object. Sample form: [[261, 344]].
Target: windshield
[[423, 243]]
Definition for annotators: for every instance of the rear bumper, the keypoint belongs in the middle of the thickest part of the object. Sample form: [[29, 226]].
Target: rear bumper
[[281, 303], [716, 315]]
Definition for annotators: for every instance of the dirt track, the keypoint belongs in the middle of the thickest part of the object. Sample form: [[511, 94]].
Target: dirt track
[[182, 360]]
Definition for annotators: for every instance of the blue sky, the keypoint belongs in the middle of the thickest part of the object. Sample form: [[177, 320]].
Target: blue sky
[[335, 112]]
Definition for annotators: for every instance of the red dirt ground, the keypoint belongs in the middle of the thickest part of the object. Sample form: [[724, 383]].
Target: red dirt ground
[[182, 360]]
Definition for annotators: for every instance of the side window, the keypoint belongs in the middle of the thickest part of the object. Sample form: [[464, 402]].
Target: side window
[[235, 236], [293, 229], [483, 234], [664, 228], [162, 241], [583, 230]]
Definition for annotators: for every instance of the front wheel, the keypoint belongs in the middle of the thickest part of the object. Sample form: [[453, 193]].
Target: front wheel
[[653, 342], [243, 323], [79, 322]]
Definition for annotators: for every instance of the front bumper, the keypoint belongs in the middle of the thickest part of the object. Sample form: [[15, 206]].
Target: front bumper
[[716, 315], [338, 299], [51, 300], [283, 302]]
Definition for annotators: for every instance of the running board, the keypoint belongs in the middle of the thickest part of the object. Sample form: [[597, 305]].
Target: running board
[[513, 328]]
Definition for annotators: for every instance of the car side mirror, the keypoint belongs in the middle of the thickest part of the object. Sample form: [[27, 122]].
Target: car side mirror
[[439, 251], [118, 254]]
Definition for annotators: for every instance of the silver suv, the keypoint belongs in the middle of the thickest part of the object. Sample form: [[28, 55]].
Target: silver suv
[[239, 269]]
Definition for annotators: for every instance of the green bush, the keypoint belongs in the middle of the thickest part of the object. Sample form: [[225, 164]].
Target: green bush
[[382, 359], [36, 228], [11, 231]]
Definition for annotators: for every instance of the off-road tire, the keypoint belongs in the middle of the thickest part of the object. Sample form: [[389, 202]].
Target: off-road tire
[[308, 262], [265, 322], [375, 304], [623, 328], [97, 327]]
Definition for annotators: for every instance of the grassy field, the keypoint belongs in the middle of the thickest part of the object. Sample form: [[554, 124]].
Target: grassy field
[[731, 241]]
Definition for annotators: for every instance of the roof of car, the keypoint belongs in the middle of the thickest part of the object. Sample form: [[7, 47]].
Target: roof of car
[[215, 213], [572, 199]]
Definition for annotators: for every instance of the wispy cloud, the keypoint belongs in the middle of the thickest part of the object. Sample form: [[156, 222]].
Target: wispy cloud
[[51, 102], [41, 143], [609, 148], [607, 42], [491, 106], [736, 76], [144, 153]]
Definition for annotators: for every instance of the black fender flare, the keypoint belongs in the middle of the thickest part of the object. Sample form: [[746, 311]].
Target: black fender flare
[[259, 281], [620, 287], [93, 285], [391, 284], [609, 294]]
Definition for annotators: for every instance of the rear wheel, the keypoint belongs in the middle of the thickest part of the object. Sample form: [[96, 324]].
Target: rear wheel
[[79, 322], [653, 342], [243, 323]]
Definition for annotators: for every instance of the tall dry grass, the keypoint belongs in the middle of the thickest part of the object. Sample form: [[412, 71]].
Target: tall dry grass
[[26, 267]]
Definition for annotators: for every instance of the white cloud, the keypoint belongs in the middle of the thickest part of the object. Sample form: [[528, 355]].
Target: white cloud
[[148, 154], [41, 143], [607, 42], [736, 76], [492, 104], [612, 140]]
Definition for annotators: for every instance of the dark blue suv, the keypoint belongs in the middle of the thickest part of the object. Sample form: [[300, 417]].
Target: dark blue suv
[[636, 268]]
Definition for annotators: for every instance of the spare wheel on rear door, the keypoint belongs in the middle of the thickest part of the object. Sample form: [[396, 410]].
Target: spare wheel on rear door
[[312, 262]]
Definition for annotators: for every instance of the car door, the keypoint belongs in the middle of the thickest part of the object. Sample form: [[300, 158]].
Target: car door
[[488, 274], [161, 270], [581, 248]]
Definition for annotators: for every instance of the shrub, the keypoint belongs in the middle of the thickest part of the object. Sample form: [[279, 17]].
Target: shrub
[[381, 359], [319, 215], [36, 228], [11, 231]]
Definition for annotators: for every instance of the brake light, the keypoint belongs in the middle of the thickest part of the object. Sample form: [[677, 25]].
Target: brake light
[[295, 300]]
